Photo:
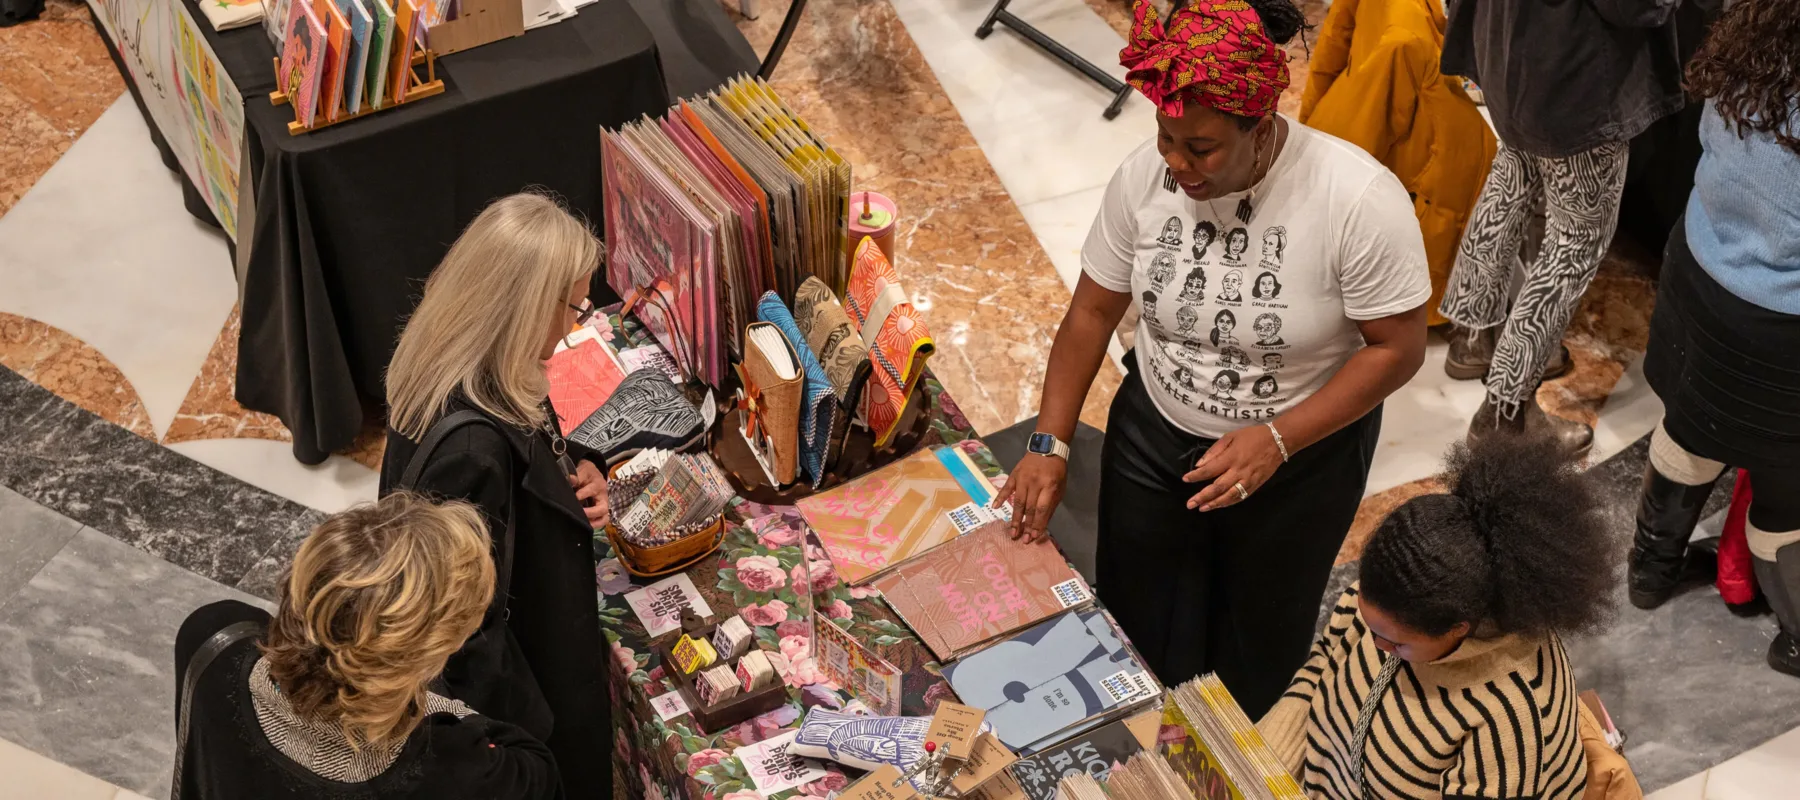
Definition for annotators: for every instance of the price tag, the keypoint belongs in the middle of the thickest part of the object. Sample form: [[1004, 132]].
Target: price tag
[[884, 783], [989, 759], [954, 728], [669, 706], [1127, 687]]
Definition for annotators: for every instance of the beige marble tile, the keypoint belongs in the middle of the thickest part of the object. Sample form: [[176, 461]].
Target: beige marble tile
[[966, 255], [55, 80], [75, 371], [210, 410]]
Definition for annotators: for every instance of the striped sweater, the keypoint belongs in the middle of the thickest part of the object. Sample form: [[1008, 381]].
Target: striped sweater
[[1496, 718]]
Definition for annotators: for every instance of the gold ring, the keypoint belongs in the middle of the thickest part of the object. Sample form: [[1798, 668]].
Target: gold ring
[[1242, 494]]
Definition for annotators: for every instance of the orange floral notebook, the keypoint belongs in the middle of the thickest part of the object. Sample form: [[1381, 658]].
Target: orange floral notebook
[[980, 587], [887, 516]]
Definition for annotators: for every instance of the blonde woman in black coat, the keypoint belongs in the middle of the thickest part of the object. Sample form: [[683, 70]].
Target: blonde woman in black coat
[[511, 286]]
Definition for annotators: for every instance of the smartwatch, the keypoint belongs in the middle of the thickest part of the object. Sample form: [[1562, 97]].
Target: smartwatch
[[1045, 444]]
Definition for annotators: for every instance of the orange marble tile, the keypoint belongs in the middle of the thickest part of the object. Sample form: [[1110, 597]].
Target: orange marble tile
[[1375, 508], [1609, 329], [965, 253], [210, 410], [29, 144], [73, 370], [59, 65]]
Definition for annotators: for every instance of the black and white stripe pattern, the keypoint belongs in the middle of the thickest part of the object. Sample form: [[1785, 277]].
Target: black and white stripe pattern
[[320, 747], [1580, 197], [1496, 719]]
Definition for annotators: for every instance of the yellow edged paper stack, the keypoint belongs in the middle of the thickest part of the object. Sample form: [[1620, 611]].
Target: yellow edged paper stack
[[1222, 756]]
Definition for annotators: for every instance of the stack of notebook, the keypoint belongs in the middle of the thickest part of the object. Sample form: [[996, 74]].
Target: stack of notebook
[[341, 57], [1218, 753], [723, 199], [1144, 777], [659, 496]]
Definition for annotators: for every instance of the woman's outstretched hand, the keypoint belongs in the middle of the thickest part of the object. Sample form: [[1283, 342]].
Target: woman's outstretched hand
[[1034, 487]]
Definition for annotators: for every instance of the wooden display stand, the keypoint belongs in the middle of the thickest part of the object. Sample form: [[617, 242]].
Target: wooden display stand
[[477, 23], [859, 455], [418, 90], [726, 713]]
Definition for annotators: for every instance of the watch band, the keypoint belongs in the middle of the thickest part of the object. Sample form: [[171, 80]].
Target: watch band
[[1058, 447]]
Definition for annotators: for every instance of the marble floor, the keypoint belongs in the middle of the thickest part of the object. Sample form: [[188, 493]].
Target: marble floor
[[118, 329]]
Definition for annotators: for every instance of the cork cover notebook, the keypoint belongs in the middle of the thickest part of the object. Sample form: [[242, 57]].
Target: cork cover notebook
[[887, 516]]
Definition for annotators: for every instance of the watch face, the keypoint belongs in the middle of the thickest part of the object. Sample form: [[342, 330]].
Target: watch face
[[1042, 444]]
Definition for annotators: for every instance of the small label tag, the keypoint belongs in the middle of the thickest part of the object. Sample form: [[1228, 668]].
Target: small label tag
[[884, 783], [954, 728], [1072, 593], [969, 516], [1125, 687], [669, 706]]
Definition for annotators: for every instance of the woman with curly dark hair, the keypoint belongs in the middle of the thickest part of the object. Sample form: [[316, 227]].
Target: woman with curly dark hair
[[1442, 672], [1727, 321]]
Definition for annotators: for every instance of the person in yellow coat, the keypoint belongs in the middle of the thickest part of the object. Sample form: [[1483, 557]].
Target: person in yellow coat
[[1375, 83]]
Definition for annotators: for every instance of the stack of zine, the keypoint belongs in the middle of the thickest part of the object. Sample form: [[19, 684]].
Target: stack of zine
[[1217, 751], [1144, 777], [725, 198], [341, 57], [658, 496]]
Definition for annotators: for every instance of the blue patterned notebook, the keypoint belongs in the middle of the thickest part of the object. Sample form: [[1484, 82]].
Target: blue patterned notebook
[[819, 409]]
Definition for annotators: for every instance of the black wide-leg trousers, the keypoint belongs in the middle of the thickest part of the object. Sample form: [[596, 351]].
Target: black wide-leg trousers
[[1234, 591]]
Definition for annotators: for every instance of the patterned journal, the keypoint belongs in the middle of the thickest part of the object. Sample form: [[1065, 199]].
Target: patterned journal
[[896, 335], [818, 409], [302, 59], [1054, 680], [981, 586], [1092, 753], [887, 516], [581, 378]]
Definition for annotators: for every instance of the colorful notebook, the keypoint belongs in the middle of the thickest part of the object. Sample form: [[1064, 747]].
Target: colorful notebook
[[982, 585], [833, 339], [302, 59], [361, 26], [337, 53], [887, 516], [581, 378], [775, 388], [818, 408], [381, 40], [1055, 679], [895, 333], [407, 25], [1216, 750]]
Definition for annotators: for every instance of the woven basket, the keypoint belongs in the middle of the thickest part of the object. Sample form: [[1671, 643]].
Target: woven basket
[[665, 559]]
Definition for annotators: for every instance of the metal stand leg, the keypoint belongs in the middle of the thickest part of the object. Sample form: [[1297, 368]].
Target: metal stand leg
[[788, 24], [1056, 48]]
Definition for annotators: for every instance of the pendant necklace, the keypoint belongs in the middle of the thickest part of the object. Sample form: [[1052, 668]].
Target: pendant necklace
[[1246, 207]]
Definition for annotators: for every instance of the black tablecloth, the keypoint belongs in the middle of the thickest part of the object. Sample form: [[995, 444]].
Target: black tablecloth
[[349, 220]]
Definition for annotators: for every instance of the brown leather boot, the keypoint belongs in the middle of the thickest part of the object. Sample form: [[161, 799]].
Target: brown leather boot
[[1471, 352], [1574, 437]]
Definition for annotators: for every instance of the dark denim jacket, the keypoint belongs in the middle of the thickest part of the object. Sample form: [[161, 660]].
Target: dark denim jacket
[[1562, 77]]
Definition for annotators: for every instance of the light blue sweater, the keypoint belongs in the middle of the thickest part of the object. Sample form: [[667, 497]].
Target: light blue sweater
[[1743, 218]]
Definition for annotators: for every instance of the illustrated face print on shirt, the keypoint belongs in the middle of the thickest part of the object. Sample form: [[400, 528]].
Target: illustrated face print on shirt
[[1171, 233], [1231, 286], [1162, 269], [1204, 234], [1223, 385], [1224, 323], [1268, 330], [1193, 290], [1236, 242], [1274, 246], [1267, 287]]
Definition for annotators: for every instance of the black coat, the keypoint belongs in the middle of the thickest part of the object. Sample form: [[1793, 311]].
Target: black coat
[[229, 757], [552, 681]]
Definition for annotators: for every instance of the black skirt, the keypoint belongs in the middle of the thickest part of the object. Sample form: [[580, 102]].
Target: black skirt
[[1727, 370]]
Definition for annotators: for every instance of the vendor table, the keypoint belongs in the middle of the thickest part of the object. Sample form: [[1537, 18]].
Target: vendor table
[[673, 759], [336, 230]]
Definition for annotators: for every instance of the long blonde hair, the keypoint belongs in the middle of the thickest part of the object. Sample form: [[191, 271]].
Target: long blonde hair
[[376, 601], [486, 310]]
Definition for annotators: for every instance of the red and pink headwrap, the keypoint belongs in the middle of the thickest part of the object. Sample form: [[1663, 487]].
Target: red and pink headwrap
[[1211, 51]]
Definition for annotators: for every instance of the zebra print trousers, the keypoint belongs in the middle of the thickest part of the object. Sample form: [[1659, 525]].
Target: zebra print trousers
[[1580, 196]]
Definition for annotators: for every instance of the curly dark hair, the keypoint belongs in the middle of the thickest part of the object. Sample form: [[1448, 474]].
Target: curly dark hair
[[1749, 66], [1516, 546]]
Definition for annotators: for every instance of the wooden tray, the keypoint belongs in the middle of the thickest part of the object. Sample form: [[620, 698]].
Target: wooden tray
[[738, 709]]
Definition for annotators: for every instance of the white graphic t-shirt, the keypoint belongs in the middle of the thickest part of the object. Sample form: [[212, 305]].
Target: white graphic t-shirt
[[1241, 321]]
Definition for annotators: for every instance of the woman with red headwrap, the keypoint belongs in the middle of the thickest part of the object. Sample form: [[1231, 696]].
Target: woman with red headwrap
[[1221, 508]]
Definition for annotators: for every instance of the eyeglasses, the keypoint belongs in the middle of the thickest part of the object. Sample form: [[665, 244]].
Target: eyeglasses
[[583, 314]]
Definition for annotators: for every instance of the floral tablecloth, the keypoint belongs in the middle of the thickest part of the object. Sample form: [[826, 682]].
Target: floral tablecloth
[[758, 573]]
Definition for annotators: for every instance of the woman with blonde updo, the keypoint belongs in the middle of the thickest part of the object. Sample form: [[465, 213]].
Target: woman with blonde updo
[[330, 697]]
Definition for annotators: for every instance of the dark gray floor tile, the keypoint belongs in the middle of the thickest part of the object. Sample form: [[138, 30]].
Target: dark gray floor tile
[[132, 489], [86, 651], [30, 535], [264, 577]]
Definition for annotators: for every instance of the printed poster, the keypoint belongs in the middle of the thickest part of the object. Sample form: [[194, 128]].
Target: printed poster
[[859, 670], [772, 769], [659, 605], [190, 97]]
